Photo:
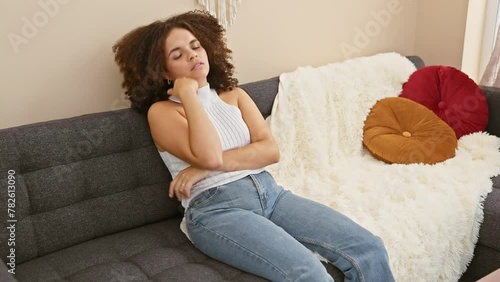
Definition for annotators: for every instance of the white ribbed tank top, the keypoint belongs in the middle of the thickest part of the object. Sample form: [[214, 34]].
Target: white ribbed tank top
[[233, 133]]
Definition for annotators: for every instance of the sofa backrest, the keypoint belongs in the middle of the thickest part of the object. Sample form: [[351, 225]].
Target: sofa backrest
[[80, 178], [264, 91], [493, 99]]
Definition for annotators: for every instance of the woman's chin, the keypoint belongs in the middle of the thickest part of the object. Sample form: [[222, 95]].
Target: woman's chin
[[201, 78], [199, 73]]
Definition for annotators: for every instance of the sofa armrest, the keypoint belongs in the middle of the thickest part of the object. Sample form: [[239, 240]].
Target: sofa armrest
[[417, 61], [493, 98], [5, 276]]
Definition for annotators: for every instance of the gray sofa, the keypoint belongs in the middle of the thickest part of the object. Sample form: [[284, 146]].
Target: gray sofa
[[91, 203]]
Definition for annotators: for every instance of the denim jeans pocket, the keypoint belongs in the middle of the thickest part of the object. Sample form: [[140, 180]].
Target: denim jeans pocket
[[204, 198]]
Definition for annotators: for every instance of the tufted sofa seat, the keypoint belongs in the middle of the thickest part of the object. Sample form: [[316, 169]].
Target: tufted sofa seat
[[92, 205]]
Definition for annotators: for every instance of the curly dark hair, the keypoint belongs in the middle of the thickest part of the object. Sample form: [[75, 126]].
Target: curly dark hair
[[140, 57]]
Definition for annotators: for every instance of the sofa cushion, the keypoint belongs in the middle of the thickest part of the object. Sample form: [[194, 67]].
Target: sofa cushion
[[154, 252], [490, 228], [82, 178], [399, 130], [485, 261], [452, 95]]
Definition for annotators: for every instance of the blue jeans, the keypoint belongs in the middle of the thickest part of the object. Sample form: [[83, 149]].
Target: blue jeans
[[255, 225]]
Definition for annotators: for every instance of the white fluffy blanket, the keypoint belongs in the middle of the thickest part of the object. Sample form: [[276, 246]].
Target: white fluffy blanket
[[427, 215]]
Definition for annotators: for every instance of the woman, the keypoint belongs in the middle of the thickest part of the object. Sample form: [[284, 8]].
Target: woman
[[215, 143]]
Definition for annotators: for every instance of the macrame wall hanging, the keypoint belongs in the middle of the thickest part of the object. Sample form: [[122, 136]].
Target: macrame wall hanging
[[219, 9]]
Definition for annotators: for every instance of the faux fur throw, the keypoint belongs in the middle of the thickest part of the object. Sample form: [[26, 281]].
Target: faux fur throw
[[427, 215]]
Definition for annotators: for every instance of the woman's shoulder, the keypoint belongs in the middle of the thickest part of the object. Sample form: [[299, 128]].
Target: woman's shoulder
[[163, 108], [232, 96], [234, 91], [165, 104]]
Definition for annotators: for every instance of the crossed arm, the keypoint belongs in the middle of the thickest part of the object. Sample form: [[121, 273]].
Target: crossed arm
[[190, 136]]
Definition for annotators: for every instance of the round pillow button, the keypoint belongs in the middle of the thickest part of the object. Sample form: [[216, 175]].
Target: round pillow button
[[406, 134], [441, 105]]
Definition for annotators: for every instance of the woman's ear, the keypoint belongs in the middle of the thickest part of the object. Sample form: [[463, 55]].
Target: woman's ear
[[167, 78]]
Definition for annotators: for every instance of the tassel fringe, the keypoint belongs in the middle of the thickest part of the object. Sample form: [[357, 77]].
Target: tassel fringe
[[219, 9]]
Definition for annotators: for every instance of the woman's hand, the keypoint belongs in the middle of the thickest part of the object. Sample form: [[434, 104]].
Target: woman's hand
[[182, 183], [182, 86]]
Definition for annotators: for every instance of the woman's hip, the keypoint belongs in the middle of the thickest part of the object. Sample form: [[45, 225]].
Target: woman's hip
[[255, 192]]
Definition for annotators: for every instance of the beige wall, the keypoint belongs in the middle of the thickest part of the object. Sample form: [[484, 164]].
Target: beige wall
[[271, 37], [441, 31], [62, 65]]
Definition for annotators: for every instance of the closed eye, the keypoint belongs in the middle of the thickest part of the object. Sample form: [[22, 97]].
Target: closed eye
[[194, 45]]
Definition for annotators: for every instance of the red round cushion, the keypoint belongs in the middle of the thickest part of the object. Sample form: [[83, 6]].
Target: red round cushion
[[451, 95]]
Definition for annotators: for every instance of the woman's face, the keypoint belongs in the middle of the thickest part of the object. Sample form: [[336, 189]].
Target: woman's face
[[185, 57]]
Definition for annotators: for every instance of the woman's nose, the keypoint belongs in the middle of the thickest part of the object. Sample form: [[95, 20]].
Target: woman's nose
[[192, 55]]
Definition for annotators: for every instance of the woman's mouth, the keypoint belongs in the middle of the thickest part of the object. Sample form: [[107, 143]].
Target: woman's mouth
[[197, 66]]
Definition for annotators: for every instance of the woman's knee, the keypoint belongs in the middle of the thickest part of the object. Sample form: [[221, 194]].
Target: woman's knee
[[373, 261], [377, 245], [373, 248]]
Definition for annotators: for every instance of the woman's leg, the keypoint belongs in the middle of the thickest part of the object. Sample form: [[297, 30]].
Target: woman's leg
[[226, 223], [348, 246]]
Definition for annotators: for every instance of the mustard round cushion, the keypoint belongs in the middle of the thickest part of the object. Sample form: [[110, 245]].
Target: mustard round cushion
[[399, 130]]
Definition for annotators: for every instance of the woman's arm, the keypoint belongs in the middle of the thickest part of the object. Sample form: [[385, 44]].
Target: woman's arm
[[262, 150], [192, 138]]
